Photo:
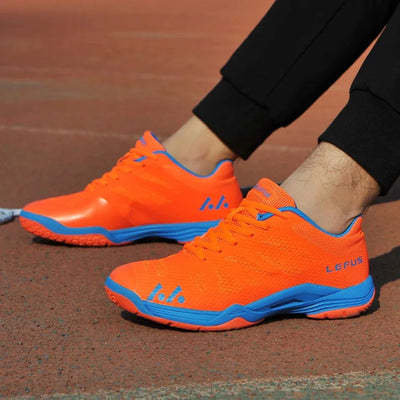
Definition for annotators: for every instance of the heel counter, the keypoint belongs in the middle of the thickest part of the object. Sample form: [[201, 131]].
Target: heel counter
[[361, 250], [228, 183]]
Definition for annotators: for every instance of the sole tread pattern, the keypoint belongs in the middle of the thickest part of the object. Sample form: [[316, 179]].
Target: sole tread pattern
[[126, 304], [90, 240], [235, 323], [343, 313]]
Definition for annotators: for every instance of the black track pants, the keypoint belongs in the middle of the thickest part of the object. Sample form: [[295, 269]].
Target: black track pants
[[292, 56]]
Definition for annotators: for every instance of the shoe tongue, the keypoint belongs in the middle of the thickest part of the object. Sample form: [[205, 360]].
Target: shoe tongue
[[264, 192], [268, 192], [149, 142]]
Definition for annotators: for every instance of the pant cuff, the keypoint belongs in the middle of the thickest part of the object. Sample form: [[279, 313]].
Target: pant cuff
[[238, 122], [368, 130]]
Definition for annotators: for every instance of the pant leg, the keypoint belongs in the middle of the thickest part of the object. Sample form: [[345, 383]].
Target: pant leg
[[368, 128], [292, 56]]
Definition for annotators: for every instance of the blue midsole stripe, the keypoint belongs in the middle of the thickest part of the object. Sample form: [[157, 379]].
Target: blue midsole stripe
[[301, 299], [180, 231]]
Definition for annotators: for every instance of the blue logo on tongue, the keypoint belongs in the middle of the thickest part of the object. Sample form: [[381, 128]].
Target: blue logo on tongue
[[262, 190]]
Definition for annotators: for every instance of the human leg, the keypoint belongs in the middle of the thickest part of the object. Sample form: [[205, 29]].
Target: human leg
[[331, 188], [374, 107], [276, 74], [367, 129], [338, 182], [206, 149], [292, 56]]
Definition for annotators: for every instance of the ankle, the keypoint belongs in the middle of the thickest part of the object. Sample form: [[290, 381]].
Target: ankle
[[197, 148], [331, 188]]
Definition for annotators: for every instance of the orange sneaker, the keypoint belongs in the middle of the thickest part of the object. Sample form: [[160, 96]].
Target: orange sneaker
[[265, 258], [148, 193]]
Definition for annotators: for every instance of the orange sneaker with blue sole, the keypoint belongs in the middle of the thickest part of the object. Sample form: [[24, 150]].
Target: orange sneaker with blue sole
[[266, 258], [147, 194]]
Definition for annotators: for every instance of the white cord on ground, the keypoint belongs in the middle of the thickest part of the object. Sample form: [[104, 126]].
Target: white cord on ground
[[7, 214]]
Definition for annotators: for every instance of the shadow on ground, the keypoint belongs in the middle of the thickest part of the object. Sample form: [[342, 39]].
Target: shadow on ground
[[384, 269]]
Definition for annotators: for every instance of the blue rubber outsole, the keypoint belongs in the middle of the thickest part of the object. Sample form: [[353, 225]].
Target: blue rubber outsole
[[307, 299], [182, 232]]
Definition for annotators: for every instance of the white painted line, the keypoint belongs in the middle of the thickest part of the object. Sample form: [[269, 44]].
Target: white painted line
[[168, 35], [120, 136], [75, 72], [382, 380], [284, 148], [63, 132]]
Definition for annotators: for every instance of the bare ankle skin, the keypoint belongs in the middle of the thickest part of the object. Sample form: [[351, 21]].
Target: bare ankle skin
[[331, 188], [196, 147]]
